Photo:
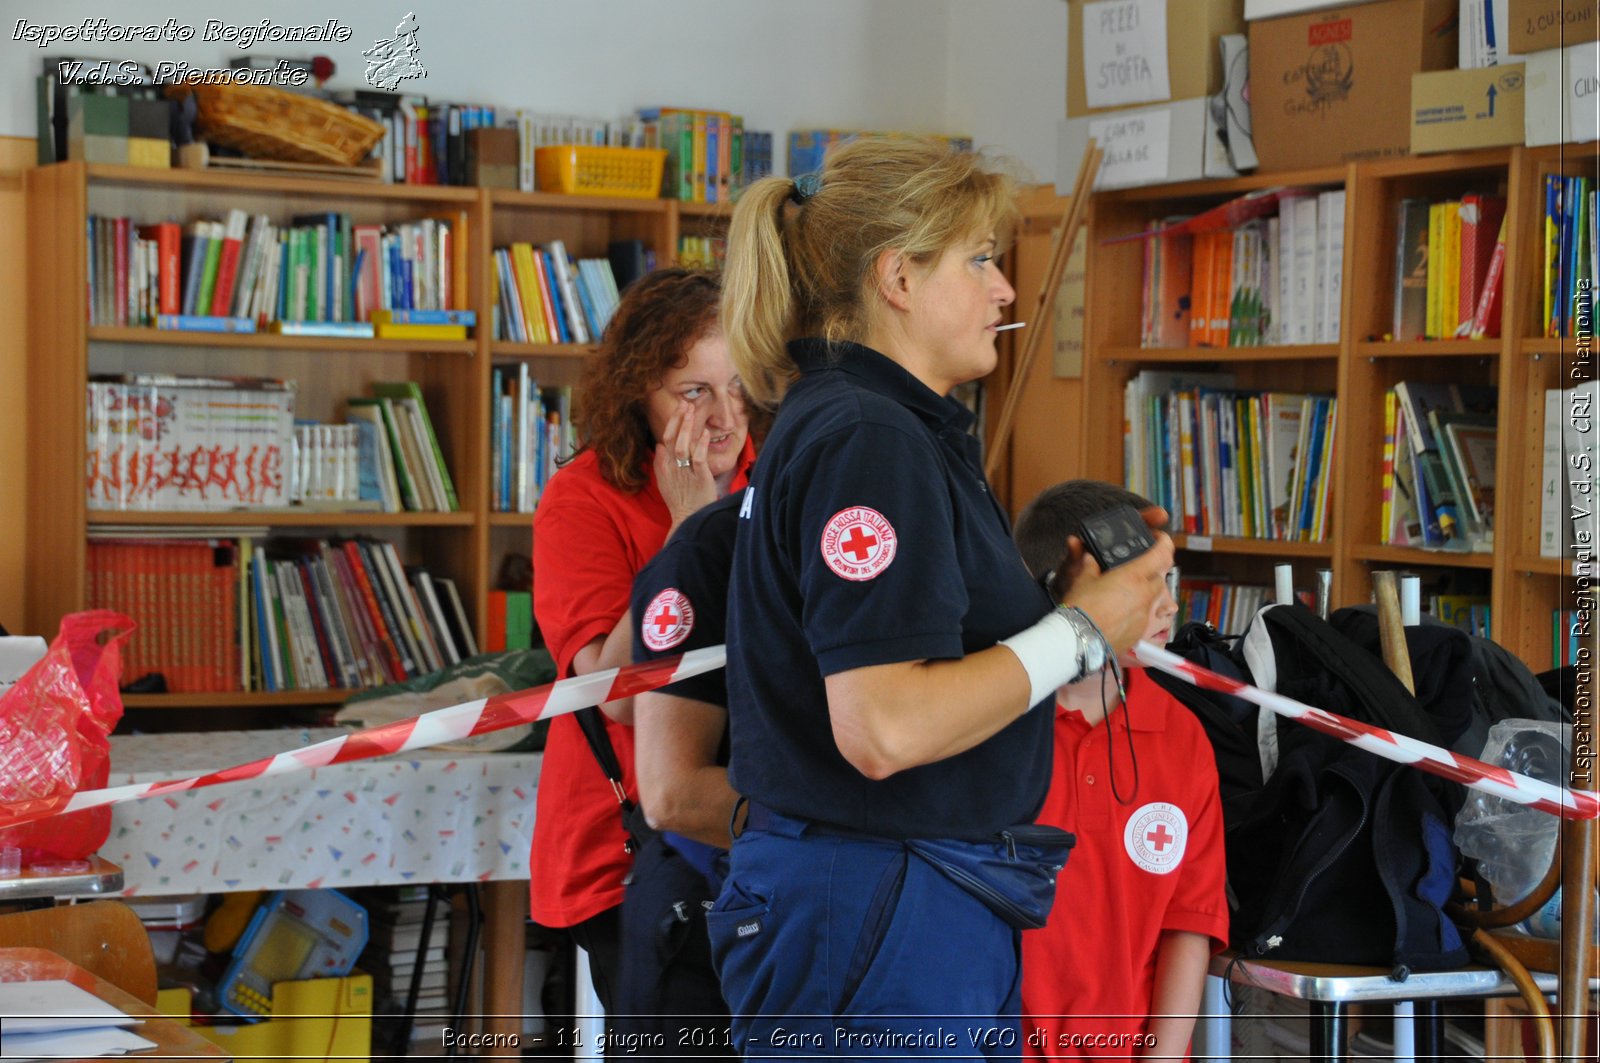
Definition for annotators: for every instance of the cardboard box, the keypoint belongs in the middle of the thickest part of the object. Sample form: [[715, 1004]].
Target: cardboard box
[[1562, 97], [1193, 62], [1456, 109], [1332, 86], [1144, 146], [1539, 25], [327, 1019]]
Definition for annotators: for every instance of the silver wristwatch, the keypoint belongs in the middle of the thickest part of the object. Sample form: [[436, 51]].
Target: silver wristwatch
[[1091, 644]]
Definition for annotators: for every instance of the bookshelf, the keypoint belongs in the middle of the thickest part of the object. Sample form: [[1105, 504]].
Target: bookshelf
[[455, 375], [1523, 586]]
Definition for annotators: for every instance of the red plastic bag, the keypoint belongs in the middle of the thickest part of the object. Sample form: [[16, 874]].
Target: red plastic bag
[[55, 724]]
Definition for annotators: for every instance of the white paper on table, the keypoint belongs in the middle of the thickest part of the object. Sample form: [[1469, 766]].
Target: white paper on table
[[71, 1044], [18, 653], [1135, 147], [55, 1004], [1124, 52]]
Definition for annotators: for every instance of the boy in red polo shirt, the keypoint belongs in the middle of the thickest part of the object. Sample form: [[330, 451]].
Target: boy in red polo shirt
[[1140, 906]]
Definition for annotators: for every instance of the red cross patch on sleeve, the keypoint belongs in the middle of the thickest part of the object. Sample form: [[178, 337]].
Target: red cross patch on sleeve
[[858, 543], [668, 620]]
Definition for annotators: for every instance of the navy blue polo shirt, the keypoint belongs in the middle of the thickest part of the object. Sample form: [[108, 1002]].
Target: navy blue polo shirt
[[680, 597], [869, 536]]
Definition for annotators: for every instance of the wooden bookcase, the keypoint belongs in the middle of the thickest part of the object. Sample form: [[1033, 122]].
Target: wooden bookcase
[[455, 375], [1524, 587]]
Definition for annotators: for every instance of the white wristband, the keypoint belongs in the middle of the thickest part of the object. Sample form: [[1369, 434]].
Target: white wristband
[[1059, 649]]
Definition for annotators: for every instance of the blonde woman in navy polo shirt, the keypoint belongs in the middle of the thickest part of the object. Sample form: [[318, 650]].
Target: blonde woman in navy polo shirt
[[891, 663]]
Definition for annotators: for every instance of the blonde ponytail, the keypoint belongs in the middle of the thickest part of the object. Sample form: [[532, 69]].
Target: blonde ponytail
[[757, 296]]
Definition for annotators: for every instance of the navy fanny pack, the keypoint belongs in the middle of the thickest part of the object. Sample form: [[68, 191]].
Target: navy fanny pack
[[1014, 875]]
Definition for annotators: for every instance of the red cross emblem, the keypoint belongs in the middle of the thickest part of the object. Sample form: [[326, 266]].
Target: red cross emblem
[[858, 543], [1155, 837], [667, 620]]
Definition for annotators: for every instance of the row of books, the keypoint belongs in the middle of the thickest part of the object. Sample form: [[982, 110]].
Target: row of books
[[1571, 252], [242, 613], [1469, 612], [346, 614], [531, 434], [1439, 446], [1237, 463], [158, 441], [1568, 521], [1226, 606], [325, 464], [543, 295], [1449, 267], [183, 594], [510, 621], [400, 462], [705, 152], [1246, 279], [321, 268], [807, 147]]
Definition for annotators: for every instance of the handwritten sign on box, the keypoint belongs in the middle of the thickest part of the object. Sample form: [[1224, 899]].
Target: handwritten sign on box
[[1124, 52]]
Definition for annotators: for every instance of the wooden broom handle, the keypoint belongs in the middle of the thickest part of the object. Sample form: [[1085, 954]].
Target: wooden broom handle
[[1071, 220], [1391, 629]]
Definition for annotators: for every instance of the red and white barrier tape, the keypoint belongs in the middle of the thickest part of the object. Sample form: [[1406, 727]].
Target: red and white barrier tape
[[1568, 804], [429, 729], [581, 692]]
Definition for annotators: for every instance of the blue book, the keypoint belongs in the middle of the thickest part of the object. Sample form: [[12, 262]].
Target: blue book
[[194, 248], [586, 300], [557, 298], [204, 323], [264, 625], [433, 317]]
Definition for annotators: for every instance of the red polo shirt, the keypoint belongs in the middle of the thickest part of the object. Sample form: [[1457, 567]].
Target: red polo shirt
[[1139, 869], [589, 541]]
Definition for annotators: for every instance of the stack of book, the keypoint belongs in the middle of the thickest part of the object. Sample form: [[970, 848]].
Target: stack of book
[[1223, 462], [1266, 269], [166, 442], [531, 434], [1438, 484], [1449, 268], [321, 275], [544, 296], [393, 952]]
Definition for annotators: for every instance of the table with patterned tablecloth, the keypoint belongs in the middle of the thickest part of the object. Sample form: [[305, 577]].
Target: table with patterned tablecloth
[[425, 816]]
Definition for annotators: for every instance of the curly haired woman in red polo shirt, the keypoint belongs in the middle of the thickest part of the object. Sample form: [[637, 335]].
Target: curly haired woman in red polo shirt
[[665, 431]]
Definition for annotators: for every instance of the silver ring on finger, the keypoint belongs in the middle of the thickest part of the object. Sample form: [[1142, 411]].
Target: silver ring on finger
[[684, 463]]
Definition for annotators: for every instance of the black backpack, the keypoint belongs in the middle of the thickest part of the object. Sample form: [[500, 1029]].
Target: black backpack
[[1334, 854]]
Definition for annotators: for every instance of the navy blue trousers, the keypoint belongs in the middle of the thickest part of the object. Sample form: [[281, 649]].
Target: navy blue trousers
[[851, 947]]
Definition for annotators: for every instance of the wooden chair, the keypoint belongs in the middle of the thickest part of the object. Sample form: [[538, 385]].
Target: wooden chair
[[105, 938]]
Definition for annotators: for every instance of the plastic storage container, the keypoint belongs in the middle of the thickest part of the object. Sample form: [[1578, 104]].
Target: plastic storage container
[[581, 170]]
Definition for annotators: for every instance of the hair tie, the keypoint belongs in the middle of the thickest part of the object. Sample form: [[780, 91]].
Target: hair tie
[[805, 186]]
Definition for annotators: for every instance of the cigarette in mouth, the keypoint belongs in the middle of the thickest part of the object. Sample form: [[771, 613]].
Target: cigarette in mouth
[[1014, 324]]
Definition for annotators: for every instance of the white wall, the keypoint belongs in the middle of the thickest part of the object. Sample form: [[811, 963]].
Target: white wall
[[991, 68]]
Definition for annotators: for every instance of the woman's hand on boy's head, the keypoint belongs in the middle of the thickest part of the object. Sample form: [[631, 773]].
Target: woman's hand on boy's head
[[1119, 601]]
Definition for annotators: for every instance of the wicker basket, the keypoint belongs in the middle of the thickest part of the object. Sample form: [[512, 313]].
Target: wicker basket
[[579, 169], [271, 123]]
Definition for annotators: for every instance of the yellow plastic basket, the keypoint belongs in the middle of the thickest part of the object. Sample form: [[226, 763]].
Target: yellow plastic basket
[[581, 170]]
